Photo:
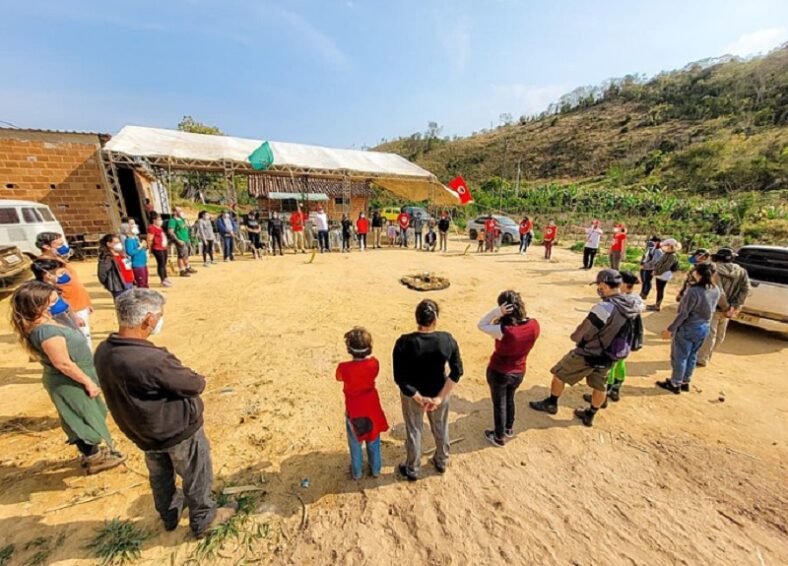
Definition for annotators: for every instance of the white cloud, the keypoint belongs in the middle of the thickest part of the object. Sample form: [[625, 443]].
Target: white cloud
[[522, 99], [760, 41], [315, 39]]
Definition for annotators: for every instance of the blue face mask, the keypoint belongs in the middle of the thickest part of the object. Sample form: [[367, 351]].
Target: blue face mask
[[63, 250], [59, 307], [63, 279], [693, 260]]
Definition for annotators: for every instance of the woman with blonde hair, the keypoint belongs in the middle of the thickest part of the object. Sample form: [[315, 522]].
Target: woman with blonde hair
[[69, 376]]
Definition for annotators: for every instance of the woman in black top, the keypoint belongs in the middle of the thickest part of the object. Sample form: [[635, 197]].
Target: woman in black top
[[275, 229], [420, 360], [347, 233], [253, 230], [377, 228]]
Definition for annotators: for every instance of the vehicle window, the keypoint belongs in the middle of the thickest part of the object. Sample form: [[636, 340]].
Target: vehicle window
[[769, 265], [506, 221], [30, 215], [46, 214], [480, 220], [9, 216]]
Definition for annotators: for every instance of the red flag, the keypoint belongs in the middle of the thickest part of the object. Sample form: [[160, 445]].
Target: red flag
[[459, 186]]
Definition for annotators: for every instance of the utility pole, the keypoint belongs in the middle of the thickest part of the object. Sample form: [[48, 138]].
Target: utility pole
[[517, 183]]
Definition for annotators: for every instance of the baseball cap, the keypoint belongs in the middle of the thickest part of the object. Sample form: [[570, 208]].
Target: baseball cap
[[671, 242], [700, 251], [724, 254], [609, 276]]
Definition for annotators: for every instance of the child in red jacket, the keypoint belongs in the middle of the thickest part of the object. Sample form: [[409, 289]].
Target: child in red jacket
[[365, 419]]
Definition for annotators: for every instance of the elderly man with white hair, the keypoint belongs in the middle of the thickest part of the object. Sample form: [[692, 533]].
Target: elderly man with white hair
[[155, 401]]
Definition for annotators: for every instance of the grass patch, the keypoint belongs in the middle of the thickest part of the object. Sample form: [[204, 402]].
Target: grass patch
[[118, 542], [44, 546], [6, 553], [234, 529]]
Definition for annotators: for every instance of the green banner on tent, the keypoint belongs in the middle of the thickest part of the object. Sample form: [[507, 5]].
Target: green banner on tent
[[262, 157]]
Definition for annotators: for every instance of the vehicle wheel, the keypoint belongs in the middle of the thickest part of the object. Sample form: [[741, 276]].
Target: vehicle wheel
[[507, 239], [472, 234]]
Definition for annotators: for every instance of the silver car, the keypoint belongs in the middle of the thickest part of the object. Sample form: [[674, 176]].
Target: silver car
[[510, 230]]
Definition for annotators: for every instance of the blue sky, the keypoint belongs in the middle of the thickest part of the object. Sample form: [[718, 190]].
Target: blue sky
[[344, 73]]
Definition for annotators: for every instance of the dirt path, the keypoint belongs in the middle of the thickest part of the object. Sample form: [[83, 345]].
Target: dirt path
[[660, 479]]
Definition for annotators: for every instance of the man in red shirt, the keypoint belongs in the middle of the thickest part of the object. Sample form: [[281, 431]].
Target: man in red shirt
[[297, 221], [362, 227], [403, 220], [619, 245], [525, 234], [550, 234]]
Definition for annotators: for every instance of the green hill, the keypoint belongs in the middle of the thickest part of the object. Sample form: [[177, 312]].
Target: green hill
[[713, 135]]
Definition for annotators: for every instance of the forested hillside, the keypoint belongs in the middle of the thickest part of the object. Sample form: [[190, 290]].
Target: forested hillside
[[716, 130]]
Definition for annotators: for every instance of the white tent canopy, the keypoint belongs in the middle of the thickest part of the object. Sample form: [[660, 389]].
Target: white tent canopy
[[186, 150]]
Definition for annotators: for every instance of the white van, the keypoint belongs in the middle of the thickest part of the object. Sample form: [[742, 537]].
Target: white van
[[21, 221]]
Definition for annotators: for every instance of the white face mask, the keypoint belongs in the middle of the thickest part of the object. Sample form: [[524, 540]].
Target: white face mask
[[135, 230], [158, 327], [117, 247]]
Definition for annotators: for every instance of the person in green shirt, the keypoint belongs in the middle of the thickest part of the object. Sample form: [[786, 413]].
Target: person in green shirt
[[69, 376], [178, 230]]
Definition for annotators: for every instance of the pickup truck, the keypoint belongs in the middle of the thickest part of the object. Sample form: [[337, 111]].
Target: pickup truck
[[767, 305]]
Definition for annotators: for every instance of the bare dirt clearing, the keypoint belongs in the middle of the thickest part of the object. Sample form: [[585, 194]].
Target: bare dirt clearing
[[660, 479]]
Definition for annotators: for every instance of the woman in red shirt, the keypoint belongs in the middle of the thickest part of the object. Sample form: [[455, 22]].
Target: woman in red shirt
[[404, 223], [362, 227], [619, 245], [490, 227], [515, 335], [365, 419], [157, 244], [114, 268], [550, 234]]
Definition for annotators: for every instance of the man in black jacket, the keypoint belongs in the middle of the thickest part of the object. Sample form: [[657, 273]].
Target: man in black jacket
[[155, 401]]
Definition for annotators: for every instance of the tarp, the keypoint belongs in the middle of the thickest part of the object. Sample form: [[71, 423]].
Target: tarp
[[388, 170]]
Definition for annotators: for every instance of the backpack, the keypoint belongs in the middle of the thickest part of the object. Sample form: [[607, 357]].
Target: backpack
[[628, 338]]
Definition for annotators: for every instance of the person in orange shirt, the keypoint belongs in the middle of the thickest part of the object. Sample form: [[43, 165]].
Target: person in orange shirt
[[297, 221], [54, 246], [362, 228], [549, 237], [526, 226]]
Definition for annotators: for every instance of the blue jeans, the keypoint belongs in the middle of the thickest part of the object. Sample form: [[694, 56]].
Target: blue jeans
[[646, 275], [356, 457], [687, 341], [227, 242]]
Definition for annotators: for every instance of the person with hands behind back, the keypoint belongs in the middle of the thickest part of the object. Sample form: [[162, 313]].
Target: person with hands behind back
[[420, 360]]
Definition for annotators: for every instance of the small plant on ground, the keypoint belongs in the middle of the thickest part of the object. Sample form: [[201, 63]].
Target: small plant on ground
[[118, 542], [6, 553], [209, 547]]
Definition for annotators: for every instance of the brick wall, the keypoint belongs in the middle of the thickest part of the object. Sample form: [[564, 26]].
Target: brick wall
[[60, 170]]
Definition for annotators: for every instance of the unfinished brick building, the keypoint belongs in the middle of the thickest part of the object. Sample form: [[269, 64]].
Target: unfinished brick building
[[62, 170]]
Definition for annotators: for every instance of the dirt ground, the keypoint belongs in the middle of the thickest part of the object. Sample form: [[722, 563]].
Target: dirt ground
[[660, 479]]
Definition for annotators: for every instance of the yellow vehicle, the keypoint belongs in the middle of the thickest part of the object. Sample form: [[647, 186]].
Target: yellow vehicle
[[390, 213]]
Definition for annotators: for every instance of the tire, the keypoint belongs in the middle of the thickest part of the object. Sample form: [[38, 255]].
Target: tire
[[507, 239], [472, 234]]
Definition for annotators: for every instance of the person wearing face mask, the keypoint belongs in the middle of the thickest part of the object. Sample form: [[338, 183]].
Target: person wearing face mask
[[650, 256], [69, 376], [157, 244], [178, 231], [594, 338], [155, 401], [227, 228], [137, 253], [619, 246], [205, 233], [275, 229], [593, 238], [52, 271], [114, 268], [362, 228], [663, 269], [54, 247]]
